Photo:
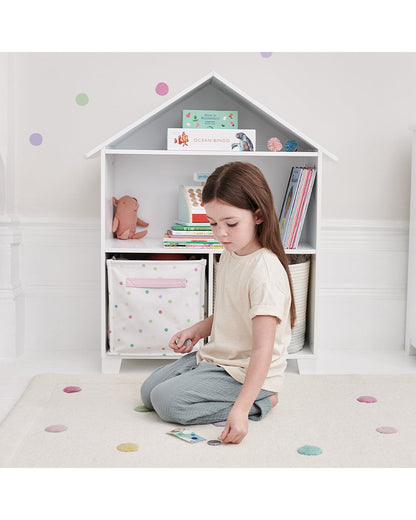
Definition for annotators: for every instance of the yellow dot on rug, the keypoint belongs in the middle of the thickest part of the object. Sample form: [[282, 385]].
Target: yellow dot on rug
[[128, 446]]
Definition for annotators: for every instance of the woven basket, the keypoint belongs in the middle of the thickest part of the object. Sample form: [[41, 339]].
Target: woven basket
[[300, 282]]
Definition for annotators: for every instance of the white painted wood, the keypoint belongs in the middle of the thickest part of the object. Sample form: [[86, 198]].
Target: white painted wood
[[237, 155], [410, 338], [220, 84], [135, 162]]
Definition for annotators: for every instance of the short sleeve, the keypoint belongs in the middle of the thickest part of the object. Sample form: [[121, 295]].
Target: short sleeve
[[267, 299]]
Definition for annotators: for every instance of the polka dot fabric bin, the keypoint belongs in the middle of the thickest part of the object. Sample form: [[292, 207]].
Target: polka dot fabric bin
[[148, 301]]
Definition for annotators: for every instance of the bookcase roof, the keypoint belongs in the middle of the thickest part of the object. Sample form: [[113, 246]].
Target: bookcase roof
[[223, 85]]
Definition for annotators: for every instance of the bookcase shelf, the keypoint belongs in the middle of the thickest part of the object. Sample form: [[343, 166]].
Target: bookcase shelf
[[297, 155], [136, 162]]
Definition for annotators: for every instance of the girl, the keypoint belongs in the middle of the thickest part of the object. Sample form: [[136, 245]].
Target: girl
[[237, 374]]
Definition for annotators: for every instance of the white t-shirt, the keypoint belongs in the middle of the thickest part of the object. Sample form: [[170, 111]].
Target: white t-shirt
[[249, 286]]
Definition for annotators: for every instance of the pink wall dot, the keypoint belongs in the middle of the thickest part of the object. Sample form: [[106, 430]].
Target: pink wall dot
[[162, 89]]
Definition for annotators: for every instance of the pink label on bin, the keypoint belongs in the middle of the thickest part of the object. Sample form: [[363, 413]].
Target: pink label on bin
[[156, 283]]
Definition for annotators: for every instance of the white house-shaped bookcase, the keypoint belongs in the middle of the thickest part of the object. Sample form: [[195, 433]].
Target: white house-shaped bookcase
[[136, 162]]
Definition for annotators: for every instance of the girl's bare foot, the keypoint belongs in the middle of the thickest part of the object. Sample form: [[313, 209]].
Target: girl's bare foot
[[274, 399]]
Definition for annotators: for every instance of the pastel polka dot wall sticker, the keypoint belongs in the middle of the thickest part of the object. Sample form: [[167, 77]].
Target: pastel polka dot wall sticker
[[56, 428], [266, 54], [35, 139], [81, 99], [387, 429], [309, 450], [127, 446], [366, 399], [162, 89], [72, 389]]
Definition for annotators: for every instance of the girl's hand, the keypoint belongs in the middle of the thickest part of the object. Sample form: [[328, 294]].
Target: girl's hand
[[179, 341], [236, 427]]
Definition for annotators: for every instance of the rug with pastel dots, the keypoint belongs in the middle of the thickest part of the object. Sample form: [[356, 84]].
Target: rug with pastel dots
[[320, 421]]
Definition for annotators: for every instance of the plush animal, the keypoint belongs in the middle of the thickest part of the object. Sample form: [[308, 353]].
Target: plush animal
[[125, 220]]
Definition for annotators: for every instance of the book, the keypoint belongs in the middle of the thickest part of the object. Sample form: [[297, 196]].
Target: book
[[305, 208], [295, 205], [300, 197], [211, 139], [180, 225], [209, 118], [289, 201]]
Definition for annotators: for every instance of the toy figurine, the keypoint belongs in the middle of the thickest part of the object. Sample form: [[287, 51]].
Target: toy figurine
[[125, 219]]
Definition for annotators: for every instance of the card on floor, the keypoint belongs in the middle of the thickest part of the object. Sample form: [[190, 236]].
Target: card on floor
[[186, 435]]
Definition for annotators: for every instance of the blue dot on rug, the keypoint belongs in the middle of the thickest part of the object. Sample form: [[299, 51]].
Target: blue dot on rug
[[309, 450]]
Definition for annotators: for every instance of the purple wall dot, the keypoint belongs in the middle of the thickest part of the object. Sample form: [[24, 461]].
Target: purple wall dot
[[162, 89], [36, 139], [266, 54]]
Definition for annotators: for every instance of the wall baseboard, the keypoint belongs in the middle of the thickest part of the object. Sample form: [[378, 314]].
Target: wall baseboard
[[50, 284]]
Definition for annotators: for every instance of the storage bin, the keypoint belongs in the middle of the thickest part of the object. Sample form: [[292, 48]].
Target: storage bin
[[148, 301], [300, 283]]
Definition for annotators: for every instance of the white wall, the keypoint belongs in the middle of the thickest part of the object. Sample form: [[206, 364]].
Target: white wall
[[357, 105]]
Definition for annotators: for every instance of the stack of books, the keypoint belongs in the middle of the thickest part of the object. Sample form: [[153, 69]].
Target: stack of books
[[190, 236], [295, 205]]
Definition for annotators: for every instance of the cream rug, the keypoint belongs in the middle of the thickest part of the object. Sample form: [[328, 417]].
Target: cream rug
[[320, 414]]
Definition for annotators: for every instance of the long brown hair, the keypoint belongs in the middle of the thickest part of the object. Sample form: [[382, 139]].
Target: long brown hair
[[244, 186]]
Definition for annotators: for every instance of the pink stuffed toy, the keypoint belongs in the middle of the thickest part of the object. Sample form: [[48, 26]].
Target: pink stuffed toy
[[125, 219]]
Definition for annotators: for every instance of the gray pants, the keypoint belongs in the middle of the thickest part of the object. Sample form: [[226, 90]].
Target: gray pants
[[184, 392]]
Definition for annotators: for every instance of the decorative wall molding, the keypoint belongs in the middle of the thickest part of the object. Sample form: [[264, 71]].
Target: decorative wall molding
[[370, 235], [363, 283], [50, 269]]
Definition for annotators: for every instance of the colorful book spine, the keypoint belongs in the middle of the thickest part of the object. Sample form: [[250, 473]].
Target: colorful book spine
[[305, 208], [289, 201], [300, 199]]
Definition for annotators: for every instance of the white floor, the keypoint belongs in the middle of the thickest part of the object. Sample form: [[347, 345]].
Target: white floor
[[15, 374]]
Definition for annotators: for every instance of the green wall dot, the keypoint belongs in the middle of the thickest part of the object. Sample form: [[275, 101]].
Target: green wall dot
[[131, 345], [169, 301], [166, 330], [150, 321], [82, 99]]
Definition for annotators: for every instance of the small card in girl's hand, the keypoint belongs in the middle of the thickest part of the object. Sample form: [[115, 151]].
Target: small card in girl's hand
[[186, 435]]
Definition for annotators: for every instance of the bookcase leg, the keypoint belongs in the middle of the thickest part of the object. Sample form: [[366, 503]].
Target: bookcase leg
[[306, 366], [110, 365]]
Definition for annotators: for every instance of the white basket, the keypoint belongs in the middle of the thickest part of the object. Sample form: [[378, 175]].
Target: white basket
[[300, 283]]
